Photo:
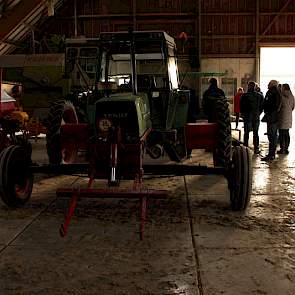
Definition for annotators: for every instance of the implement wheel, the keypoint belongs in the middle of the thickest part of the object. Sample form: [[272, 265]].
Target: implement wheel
[[61, 112], [222, 151], [240, 178], [16, 181]]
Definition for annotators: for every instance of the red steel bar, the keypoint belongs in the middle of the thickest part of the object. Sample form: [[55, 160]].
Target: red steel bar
[[111, 193], [64, 227]]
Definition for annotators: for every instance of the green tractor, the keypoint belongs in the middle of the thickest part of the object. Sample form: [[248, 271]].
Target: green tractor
[[131, 106], [104, 69]]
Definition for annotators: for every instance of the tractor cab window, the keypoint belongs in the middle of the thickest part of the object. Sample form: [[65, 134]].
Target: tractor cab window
[[172, 68], [151, 71], [71, 56], [155, 62], [88, 61], [81, 65]]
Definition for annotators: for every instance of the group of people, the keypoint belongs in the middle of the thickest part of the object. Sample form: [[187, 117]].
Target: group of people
[[277, 106]]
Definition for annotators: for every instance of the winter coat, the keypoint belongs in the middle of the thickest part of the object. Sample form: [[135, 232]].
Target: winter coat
[[271, 105], [285, 113], [237, 102], [209, 99], [251, 105]]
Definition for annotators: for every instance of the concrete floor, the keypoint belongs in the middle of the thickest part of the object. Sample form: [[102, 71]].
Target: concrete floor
[[194, 243]]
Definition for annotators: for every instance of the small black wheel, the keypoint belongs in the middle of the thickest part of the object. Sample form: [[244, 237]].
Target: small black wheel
[[155, 151], [16, 181], [222, 151], [240, 178], [60, 112]]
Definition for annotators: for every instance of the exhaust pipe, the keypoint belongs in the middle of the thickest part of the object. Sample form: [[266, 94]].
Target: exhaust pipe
[[133, 62]]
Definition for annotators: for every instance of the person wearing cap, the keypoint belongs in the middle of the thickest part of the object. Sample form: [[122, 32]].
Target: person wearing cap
[[209, 98], [271, 106]]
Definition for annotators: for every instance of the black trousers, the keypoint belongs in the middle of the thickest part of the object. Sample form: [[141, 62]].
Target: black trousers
[[252, 125], [284, 138], [237, 119]]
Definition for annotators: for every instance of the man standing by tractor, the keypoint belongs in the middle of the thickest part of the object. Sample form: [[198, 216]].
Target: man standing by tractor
[[271, 108], [209, 97], [251, 106]]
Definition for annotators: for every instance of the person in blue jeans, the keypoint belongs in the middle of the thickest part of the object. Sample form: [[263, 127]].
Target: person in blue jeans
[[271, 106], [251, 106]]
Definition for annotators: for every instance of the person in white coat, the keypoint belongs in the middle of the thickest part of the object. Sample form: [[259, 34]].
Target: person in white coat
[[285, 118]]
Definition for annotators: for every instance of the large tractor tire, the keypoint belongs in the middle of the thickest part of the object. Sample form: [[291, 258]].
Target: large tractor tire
[[61, 112], [222, 150], [16, 181], [240, 178]]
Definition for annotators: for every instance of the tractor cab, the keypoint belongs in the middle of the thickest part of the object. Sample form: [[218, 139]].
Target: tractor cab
[[142, 67]]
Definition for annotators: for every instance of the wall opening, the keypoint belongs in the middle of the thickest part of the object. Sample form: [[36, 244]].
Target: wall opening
[[277, 63]]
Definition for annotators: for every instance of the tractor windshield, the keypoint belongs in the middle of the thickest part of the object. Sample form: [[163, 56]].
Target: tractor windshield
[[155, 62]]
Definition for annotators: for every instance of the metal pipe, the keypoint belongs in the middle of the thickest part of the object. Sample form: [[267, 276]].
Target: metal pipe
[[133, 63], [182, 169], [134, 14], [156, 169], [76, 20], [199, 49], [257, 53]]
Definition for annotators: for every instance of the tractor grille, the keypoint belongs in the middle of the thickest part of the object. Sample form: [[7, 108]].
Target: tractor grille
[[121, 114]]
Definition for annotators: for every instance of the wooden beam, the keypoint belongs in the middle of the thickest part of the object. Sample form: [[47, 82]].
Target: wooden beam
[[257, 52], [276, 17], [247, 37], [17, 15], [134, 14]]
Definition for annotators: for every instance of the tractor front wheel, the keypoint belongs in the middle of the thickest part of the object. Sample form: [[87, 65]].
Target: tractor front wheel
[[61, 112], [240, 178], [16, 181]]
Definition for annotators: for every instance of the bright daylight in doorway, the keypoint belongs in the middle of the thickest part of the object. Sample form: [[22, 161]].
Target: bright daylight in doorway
[[277, 63]]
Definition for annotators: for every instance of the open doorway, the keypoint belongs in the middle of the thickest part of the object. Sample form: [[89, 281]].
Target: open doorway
[[277, 63]]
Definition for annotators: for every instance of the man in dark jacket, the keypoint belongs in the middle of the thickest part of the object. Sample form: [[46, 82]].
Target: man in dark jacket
[[251, 106], [271, 107], [209, 98]]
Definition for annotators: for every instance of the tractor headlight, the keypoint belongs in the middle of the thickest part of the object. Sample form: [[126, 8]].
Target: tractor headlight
[[104, 125]]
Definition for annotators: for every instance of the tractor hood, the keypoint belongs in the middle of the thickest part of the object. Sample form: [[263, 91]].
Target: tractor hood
[[129, 111]]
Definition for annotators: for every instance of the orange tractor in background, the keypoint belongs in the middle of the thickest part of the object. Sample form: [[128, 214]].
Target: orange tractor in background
[[13, 120]]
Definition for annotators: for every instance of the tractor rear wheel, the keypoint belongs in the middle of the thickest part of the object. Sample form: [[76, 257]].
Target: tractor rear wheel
[[16, 181], [222, 151], [61, 112], [240, 178]]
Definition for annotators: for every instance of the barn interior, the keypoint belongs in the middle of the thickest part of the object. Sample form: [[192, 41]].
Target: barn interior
[[116, 177]]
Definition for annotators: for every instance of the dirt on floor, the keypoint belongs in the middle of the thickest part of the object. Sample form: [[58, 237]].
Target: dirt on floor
[[193, 243]]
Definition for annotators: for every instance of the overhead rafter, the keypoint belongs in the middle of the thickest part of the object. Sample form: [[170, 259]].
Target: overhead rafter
[[19, 20], [276, 17], [266, 29]]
